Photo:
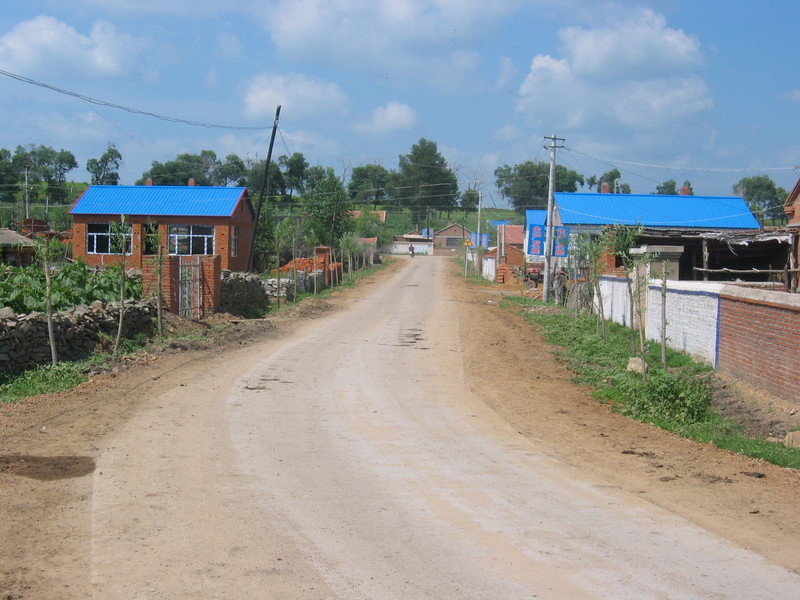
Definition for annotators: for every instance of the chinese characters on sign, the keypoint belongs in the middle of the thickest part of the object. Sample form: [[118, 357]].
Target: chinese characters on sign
[[536, 241]]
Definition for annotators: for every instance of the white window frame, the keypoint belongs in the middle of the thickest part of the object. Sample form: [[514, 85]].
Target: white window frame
[[185, 240], [92, 238]]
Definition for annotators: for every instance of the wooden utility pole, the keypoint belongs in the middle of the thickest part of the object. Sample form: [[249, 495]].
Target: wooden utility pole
[[555, 142], [262, 190]]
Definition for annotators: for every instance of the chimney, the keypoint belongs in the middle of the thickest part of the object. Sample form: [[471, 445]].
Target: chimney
[[148, 181], [191, 182], [605, 188], [685, 191]]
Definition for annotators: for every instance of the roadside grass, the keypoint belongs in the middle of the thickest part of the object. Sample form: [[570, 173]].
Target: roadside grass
[[677, 399]]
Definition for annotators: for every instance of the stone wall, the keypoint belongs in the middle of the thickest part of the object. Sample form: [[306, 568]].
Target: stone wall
[[24, 342], [249, 295]]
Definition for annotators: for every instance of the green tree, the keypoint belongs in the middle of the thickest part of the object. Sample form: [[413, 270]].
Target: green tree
[[328, 210], [425, 181], [103, 170], [469, 200], [368, 183], [205, 168], [47, 170], [763, 196], [9, 177], [526, 185], [668, 188], [294, 172], [612, 178]]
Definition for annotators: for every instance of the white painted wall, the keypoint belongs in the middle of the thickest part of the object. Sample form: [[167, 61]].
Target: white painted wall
[[692, 313]]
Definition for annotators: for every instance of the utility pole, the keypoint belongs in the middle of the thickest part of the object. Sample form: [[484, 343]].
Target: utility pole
[[263, 189], [27, 203], [555, 143]]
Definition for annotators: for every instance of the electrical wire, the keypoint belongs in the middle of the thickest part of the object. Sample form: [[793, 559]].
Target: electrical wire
[[127, 108]]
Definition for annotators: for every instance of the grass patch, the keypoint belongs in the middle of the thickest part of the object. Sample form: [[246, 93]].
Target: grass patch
[[677, 399], [44, 379]]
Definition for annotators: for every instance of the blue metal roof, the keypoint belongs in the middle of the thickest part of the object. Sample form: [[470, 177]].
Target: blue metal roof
[[654, 210], [159, 200], [535, 217]]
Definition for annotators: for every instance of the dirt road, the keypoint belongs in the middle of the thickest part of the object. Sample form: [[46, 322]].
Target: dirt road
[[415, 443]]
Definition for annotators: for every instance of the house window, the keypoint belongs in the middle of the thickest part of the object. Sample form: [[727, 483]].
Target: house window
[[191, 239], [150, 238], [453, 242], [108, 238], [234, 241]]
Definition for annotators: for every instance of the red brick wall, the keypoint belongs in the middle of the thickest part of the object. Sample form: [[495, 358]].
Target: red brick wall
[[760, 342], [210, 282], [222, 237]]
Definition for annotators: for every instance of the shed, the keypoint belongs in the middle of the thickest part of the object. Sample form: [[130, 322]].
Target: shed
[[183, 220], [15, 249]]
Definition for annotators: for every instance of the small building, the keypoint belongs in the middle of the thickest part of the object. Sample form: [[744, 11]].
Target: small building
[[402, 244], [449, 239], [183, 220], [15, 249]]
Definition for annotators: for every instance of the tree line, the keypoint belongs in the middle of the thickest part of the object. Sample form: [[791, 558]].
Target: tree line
[[423, 181]]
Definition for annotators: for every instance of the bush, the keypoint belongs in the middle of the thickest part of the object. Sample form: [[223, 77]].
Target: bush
[[665, 397]]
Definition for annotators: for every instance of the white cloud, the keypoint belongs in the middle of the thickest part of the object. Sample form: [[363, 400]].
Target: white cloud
[[635, 74], [46, 45], [508, 71], [792, 96], [302, 96], [405, 36], [390, 117], [637, 45]]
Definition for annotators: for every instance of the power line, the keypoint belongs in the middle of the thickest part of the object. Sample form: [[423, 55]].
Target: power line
[[127, 108], [613, 161]]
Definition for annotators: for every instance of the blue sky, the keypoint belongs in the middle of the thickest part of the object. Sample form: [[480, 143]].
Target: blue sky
[[706, 91]]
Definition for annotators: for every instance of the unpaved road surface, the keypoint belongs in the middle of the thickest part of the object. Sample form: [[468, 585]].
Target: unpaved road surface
[[416, 442]]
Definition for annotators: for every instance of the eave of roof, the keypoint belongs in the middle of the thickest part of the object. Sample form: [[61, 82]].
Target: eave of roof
[[159, 201]]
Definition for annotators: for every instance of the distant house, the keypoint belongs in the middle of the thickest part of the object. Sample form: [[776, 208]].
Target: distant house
[[15, 250], [184, 220], [450, 238], [401, 244]]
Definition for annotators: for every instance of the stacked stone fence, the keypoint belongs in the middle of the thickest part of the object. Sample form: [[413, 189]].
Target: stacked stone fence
[[79, 332], [247, 294]]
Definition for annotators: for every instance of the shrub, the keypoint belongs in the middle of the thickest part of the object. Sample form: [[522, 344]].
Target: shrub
[[665, 397]]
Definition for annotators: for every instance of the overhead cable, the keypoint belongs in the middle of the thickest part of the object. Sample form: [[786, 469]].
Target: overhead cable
[[127, 108]]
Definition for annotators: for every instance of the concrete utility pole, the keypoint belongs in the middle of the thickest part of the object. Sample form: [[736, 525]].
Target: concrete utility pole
[[555, 142]]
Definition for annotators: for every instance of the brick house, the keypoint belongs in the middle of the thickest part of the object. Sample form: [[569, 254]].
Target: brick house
[[450, 239], [183, 220]]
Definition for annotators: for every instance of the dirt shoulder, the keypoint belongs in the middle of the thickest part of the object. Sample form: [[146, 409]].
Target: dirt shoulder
[[49, 444]]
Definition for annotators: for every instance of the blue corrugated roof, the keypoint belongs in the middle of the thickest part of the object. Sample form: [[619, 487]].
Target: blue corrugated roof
[[535, 217], [654, 210], [158, 200]]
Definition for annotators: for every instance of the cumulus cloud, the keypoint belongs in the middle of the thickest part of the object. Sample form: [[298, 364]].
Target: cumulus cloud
[[637, 45], [636, 73], [305, 97], [46, 45], [390, 117], [408, 36]]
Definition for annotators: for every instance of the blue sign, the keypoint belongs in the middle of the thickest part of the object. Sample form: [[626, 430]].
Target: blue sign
[[536, 241], [484, 241]]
